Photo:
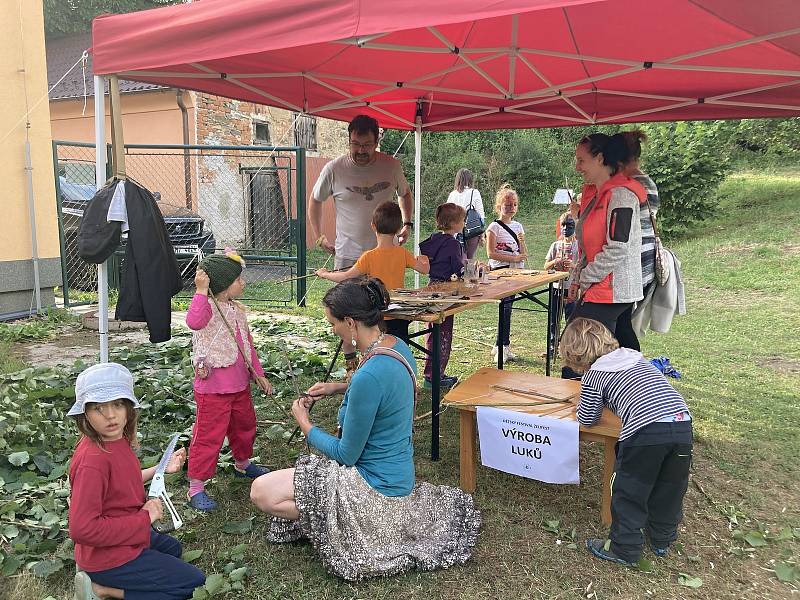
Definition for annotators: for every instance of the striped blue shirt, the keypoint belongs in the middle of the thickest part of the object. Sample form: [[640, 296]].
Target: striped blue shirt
[[648, 235], [639, 395]]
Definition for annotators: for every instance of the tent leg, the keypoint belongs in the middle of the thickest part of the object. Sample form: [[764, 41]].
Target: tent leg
[[417, 190], [100, 180]]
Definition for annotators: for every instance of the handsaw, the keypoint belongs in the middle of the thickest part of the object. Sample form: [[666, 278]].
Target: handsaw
[[159, 490]]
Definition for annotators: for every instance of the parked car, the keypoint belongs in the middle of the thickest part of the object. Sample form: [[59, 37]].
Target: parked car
[[190, 235]]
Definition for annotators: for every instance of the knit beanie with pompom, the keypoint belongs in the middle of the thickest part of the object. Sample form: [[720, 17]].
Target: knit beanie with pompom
[[222, 270]]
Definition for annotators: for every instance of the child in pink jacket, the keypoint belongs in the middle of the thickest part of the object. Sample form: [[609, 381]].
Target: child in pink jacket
[[225, 361]]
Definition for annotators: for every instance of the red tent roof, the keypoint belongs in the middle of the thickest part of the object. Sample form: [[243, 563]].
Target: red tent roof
[[472, 64]]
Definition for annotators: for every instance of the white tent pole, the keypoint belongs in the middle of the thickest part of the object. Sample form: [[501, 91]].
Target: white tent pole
[[417, 187], [100, 180]]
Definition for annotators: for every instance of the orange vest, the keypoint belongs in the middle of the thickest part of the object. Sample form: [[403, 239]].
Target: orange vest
[[594, 232]]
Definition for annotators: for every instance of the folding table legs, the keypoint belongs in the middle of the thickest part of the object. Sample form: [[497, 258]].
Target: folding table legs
[[436, 387]]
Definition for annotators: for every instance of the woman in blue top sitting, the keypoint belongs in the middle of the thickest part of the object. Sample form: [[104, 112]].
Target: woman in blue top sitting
[[358, 502]]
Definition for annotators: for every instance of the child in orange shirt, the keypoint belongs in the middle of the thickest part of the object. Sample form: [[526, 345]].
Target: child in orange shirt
[[387, 261]]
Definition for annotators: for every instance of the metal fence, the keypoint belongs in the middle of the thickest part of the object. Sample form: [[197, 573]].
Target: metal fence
[[212, 198]]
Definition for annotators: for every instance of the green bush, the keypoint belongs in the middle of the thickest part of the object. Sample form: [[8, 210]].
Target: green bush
[[687, 161]]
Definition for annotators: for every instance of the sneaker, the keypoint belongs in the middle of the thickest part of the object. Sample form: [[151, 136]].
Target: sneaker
[[446, 382], [598, 547], [83, 587], [659, 551], [508, 355], [252, 471], [494, 353], [202, 502]]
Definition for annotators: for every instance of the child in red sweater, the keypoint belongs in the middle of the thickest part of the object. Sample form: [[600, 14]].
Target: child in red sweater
[[117, 553]]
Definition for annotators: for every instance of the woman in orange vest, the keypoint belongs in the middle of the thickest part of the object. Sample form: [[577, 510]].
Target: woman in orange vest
[[608, 276]]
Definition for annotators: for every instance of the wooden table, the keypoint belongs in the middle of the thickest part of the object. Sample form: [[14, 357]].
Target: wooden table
[[477, 390], [504, 285]]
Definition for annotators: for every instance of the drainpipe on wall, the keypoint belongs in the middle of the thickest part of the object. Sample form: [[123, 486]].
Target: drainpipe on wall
[[187, 172], [32, 209]]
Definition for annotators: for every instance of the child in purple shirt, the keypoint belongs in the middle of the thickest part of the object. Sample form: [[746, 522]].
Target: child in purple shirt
[[446, 257]]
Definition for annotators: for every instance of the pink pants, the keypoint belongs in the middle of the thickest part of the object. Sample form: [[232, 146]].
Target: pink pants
[[218, 416]]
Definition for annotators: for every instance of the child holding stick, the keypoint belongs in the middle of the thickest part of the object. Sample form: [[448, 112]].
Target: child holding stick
[[387, 261], [225, 360], [446, 256], [654, 451], [117, 553]]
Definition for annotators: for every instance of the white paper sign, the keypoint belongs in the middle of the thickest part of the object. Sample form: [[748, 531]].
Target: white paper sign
[[562, 196], [540, 448]]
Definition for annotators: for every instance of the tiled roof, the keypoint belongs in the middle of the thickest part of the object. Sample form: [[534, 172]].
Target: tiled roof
[[62, 53]]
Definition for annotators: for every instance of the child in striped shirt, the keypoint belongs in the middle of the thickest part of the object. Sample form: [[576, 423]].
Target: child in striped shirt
[[654, 451]]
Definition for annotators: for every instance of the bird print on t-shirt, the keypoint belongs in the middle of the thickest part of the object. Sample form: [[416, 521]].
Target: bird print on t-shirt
[[369, 191]]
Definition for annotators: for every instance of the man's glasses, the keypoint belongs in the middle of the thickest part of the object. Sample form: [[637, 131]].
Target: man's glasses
[[369, 146]]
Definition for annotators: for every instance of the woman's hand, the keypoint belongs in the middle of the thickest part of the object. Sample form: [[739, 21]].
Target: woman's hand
[[176, 461], [263, 384], [321, 272], [201, 282], [153, 506], [326, 389], [300, 413]]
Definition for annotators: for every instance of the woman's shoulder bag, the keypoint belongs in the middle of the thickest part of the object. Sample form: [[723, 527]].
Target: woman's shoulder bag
[[473, 223]]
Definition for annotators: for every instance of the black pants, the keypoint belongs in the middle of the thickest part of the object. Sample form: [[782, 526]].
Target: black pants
[[158, 573], [650, 478], [616, 317], [504, 336]]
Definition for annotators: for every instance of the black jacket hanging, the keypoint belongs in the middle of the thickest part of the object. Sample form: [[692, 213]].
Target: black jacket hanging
[[97, 237], [151, 276]]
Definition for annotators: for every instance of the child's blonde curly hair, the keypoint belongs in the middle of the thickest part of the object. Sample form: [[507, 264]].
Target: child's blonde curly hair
[[583, 342], [504, 192]]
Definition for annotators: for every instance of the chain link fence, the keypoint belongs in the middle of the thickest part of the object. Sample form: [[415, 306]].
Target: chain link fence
[[212, 198]]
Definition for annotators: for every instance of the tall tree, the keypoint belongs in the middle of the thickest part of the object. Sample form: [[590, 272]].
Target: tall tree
[[64, 17]]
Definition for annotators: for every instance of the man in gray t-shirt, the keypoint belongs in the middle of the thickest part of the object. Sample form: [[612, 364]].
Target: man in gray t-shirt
[[359, 181]]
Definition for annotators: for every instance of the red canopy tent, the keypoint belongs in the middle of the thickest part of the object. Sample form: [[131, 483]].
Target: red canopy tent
[[468, 64], [472, 64]]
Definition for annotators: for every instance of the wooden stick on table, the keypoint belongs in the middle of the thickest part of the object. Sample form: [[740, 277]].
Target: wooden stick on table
[[532, 393]]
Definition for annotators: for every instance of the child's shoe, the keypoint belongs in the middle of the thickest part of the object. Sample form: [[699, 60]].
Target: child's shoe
[[83, 587], [202, 502], [508, 355], [597, 547], [659, 551], [252, 471]]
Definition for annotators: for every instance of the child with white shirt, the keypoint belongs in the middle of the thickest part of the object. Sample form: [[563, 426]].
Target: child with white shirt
[[505, 247]]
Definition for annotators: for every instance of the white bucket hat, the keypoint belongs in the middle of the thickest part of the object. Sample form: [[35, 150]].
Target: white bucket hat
[[105, 382]]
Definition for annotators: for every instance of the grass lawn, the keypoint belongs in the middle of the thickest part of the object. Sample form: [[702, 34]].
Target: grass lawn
[[738, 349]]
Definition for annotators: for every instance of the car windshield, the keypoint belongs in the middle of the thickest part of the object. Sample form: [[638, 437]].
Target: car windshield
[[75, 192]]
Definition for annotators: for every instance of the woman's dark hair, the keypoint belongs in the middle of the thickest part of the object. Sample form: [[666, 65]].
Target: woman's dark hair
[[633, 142], [363, 299], [613, 148], [464, 179], [362, 125]]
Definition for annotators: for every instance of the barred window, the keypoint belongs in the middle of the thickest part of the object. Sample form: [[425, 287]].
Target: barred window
[[305, 131]]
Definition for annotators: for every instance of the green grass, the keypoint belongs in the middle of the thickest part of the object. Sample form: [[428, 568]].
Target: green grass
[[738, 349]]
